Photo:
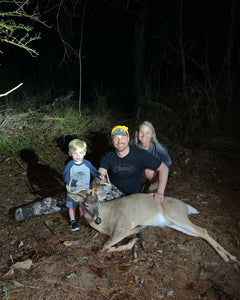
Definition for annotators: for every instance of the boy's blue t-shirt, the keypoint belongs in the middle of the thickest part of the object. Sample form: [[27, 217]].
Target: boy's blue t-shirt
[[81, 172]]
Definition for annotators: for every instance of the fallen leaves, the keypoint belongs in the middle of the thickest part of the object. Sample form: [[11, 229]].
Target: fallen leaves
[[23, 265]]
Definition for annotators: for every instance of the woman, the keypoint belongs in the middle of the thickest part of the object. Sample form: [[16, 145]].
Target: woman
[[145, 138]]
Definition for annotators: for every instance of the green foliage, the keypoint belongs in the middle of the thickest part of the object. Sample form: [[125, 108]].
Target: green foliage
[[15, 28], [6, 294], [10, 147], [72, 123], [3, 142], [18, 34]]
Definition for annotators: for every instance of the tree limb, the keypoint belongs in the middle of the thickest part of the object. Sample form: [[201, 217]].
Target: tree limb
[[16, 87]]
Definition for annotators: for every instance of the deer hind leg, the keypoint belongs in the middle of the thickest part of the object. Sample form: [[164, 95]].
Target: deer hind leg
[[221, 251], [189, 228]]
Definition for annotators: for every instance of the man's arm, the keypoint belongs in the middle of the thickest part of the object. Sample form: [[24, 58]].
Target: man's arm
[[162, 182], [95, 182]]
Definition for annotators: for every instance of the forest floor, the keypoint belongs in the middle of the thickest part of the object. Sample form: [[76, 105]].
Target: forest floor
[[35, 262]]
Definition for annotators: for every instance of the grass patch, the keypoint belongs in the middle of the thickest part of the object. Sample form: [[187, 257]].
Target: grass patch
[[37, 130], [3, 142], [11, 148], [72, 124]]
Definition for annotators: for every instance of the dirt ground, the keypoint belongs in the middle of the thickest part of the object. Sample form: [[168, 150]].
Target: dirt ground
[[35, 262]]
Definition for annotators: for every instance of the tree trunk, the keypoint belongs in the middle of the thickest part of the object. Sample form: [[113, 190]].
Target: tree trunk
[[80, 61], [183, 63], [139, 61]]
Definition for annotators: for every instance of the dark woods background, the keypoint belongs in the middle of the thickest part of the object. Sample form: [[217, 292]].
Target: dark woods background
[[173, 62]]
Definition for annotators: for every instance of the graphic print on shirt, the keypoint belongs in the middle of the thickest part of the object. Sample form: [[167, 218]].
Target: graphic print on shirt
[[81, 172], [79, 176], [124, 170]]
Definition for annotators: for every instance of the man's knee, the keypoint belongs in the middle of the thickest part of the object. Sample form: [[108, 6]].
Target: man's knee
[[150, 175]]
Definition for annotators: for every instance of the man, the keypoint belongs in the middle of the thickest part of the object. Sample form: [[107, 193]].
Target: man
[[125, 165]]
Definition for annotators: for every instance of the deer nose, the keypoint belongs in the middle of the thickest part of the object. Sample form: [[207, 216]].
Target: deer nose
[[98, 220]]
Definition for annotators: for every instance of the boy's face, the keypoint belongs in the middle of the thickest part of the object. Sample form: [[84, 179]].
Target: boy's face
[[77, 155]]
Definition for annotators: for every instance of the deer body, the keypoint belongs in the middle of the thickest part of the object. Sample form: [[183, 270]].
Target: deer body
[[127, 215]]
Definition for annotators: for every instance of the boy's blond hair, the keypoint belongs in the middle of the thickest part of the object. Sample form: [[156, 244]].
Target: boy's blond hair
[[75, 144]]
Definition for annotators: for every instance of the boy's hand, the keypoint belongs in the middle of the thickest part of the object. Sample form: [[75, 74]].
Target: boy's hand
[[79, 183]]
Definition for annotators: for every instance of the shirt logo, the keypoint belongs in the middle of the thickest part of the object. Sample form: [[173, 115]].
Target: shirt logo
[[123, 170]]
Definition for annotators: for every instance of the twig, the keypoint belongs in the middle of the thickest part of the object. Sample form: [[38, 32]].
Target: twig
[[49, 227], [3, 122], [20, 164], [2, 95], [11, 258]]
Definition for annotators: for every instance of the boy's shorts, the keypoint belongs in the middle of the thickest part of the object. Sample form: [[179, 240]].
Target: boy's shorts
[[71, 203]]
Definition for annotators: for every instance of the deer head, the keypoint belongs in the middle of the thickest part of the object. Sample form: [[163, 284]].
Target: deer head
[[89, 199]]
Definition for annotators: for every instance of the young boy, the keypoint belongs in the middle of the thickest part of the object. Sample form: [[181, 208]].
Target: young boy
[[81, 168]]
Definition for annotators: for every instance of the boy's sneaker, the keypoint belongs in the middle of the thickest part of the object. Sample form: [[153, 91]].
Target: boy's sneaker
[[74, 225]]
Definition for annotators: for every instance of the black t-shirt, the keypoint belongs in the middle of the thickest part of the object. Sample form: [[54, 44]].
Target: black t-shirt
[[126, 173]]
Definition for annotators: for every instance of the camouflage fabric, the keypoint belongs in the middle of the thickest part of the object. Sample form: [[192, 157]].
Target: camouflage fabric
[[109, 193], [58, 203], [46, 206]]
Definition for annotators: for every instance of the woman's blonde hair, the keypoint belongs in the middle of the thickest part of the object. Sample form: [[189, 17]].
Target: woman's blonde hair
[[150, 125], [74, 144]]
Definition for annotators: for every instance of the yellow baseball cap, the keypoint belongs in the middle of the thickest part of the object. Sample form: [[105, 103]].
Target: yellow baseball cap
[[119, 130]]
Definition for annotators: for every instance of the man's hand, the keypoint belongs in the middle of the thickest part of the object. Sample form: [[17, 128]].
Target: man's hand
[[158, 197], [102, 177]]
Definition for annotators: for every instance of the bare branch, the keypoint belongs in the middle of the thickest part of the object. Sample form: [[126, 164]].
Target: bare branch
[[18, 33], [16, 87]]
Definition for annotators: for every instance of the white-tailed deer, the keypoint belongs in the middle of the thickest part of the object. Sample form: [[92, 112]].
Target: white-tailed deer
[[127, 215]]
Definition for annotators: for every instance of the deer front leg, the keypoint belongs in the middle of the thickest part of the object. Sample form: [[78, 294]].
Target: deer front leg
[[108, 248], [119, 236]]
